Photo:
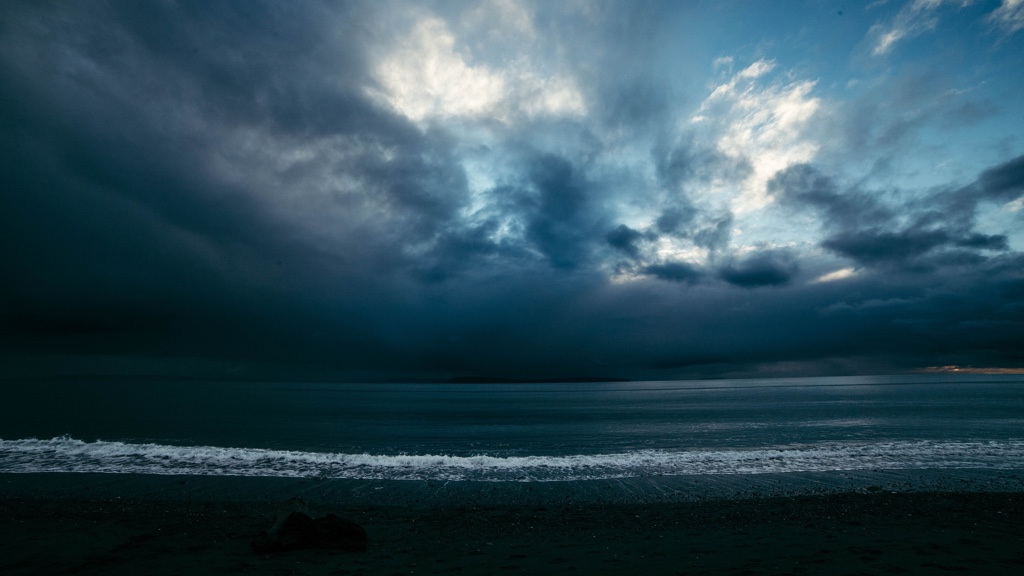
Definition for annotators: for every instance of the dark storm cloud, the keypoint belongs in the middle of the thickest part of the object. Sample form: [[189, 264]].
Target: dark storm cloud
[[560, 221], [672, 219], [674, 272], [128, 232], [917, 235], [624, 239], [884, 321], [984, 241], [222, 188], [1003, 183], [804, 185], [767, 268], [939, 314], [119, 222], [872, 247], [210, 257], [715, 234]]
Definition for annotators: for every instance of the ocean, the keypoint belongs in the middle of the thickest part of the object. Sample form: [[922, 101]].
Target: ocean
[[522, 433]]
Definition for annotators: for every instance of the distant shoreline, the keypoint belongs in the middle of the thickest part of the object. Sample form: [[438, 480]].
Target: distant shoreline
[[498, 380], [969, 370], [308, 380], [481, 379]]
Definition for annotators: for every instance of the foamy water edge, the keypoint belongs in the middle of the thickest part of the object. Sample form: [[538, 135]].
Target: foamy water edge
[[66, 454]]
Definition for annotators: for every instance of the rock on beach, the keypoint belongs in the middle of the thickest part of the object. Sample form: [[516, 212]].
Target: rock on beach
[[296, 529]]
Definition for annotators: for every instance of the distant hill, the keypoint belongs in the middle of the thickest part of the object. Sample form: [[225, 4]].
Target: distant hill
[[496, 380]]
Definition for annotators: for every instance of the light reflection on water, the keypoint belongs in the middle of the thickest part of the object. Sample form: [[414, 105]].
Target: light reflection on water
[[526, 419]]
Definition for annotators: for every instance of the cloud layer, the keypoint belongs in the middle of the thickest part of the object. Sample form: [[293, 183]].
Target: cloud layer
[[506, 188]]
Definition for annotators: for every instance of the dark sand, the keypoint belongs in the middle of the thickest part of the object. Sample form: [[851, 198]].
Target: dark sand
[[86, 529]]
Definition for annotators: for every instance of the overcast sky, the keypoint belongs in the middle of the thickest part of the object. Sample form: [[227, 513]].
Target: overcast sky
[[382, 190]]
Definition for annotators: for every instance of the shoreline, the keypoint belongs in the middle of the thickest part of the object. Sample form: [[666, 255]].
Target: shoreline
[[441, 493], [96, 524]]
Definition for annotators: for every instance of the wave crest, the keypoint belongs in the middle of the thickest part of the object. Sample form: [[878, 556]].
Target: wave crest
[[67, 454]]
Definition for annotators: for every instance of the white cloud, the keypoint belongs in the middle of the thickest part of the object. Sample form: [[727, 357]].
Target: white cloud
[[913, 19], [759, 68], [1009, 16], [762, 123], [886, 39], [840, 274], [723, 62], [756, 70], [426, 77]]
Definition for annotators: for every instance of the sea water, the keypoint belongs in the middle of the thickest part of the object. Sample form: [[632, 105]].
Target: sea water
[[515, 432]]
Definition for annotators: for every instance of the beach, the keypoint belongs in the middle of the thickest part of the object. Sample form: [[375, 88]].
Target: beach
[[511, 286], [880, 475], [91, 524]]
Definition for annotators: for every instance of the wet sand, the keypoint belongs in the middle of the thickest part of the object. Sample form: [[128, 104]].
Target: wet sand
[[87, 529]]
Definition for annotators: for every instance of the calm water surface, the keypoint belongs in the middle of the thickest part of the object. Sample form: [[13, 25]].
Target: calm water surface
[[657, 427]]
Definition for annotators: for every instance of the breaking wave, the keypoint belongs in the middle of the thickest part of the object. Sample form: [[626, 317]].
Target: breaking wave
[[66, 454]]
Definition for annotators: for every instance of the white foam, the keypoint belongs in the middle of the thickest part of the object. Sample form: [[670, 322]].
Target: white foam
[[66, 454]]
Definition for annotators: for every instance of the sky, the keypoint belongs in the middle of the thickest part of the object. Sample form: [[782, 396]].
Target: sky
[[508, 188]]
